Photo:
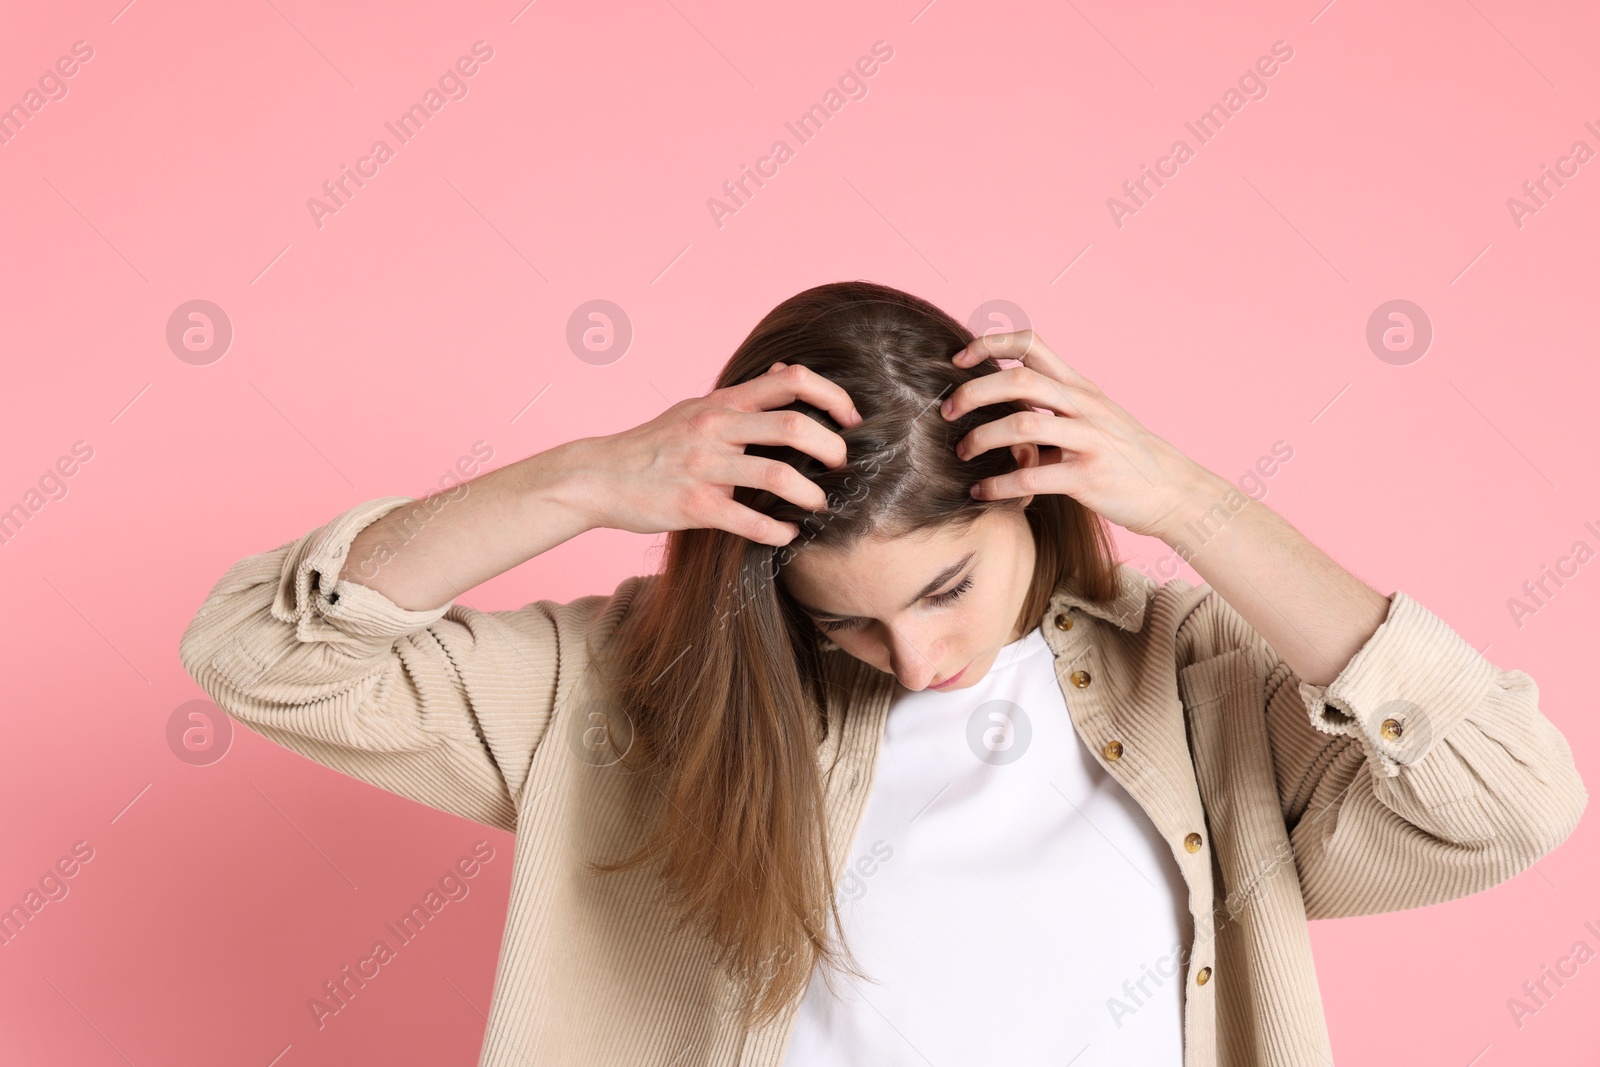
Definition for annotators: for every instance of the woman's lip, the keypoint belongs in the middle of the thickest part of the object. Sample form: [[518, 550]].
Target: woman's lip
[[953, 678]]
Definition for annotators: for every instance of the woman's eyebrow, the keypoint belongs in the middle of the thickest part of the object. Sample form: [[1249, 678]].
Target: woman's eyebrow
[[927, 590]]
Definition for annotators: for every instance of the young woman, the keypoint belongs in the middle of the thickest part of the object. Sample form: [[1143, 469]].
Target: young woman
[[893, 763]]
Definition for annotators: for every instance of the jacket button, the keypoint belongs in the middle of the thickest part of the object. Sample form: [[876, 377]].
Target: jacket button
[[1080, 679], [1192, 842], [1113, 750], [1202, 976], [1391, 729], [1063, 621]]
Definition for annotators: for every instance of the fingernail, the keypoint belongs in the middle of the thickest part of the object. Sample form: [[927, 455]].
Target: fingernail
[[855, 416], [945, 408]]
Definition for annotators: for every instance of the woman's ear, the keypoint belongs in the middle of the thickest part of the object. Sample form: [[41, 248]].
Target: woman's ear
[[1027, 455]]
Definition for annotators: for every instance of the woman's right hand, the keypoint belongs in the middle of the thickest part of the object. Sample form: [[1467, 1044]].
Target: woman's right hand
[[678, 471]]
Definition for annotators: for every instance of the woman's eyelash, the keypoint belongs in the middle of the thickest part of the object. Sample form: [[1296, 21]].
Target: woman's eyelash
[[952, 595], [941, 599]]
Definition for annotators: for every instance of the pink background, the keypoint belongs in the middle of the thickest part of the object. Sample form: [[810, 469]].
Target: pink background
[[371, 353]]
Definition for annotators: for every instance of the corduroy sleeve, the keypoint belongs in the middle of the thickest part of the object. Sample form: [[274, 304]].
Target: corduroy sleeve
[[1421, 773], [444, 706]]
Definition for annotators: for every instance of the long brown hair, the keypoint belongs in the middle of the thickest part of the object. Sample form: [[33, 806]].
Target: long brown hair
[[719, 671]]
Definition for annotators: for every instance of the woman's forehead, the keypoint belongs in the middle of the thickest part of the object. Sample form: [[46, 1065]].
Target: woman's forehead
[[824, 580]]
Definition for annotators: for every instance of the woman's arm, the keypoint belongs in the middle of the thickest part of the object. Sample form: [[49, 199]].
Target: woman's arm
[[1312, 611], [1422, 773], [424, 556], [1413, 770], [1409, 768], [345, 644]]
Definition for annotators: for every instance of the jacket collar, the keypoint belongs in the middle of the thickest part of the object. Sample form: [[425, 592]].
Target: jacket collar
[[1125, 609]]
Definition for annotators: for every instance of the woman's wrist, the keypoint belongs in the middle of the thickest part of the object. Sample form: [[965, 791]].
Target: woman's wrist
[[1203, 492], [560, 490]]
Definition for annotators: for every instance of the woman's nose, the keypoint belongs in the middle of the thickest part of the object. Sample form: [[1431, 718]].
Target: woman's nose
[[914, 656]]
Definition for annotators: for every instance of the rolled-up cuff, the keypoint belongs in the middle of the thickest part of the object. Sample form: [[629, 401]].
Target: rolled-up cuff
[[313, 597], [1409, 685]]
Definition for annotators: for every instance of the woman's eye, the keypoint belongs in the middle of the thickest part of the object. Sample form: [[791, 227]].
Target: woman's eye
[[952, 595], [940, 600]]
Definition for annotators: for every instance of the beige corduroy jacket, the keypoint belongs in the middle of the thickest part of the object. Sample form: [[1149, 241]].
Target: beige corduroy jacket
[[1421, 773]]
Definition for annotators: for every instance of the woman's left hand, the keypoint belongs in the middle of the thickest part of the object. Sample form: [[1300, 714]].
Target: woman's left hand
[[1090, 448]]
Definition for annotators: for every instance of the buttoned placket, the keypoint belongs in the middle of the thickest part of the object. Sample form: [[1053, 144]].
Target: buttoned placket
[[1071, 629]]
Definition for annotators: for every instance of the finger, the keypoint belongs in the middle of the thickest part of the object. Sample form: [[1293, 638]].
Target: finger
[[793, 428], [736, 518], [791, 382], [775, 476], [1023, 383], [1025, 481], [1021, 427], [1027, 347]]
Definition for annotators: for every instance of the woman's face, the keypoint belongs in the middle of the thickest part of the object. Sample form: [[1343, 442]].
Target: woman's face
[[925, 608]]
